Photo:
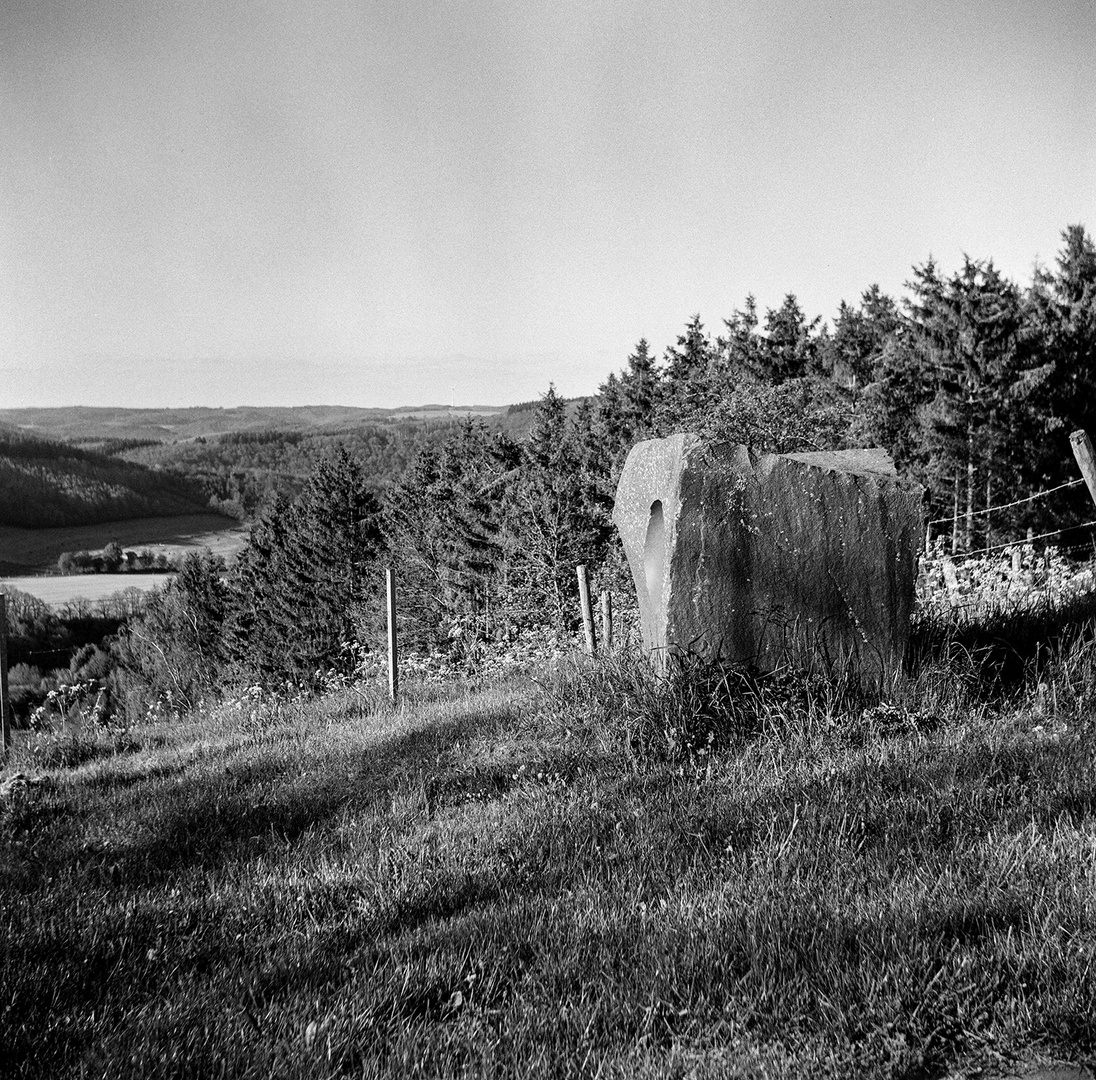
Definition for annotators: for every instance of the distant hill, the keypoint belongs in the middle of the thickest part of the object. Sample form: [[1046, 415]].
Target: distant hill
[[82, 424], [228, 460], [45, 484]]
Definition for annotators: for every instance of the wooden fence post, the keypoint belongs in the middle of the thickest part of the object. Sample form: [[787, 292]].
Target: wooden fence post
[[951, 579], [1086, 459], [5, 703], [393, 645], [606, 621], [587, 611]]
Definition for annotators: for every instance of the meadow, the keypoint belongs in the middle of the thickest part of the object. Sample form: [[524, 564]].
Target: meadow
[[59, 590], [565, 867], [34, 551]]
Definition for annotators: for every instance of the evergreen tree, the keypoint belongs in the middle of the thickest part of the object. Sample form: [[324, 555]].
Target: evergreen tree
[[790, 347], [562, 514], [304, 585], [860, 336], [626, 404], [331, 569], [444, 522], [1061, 308], [742, 351], [690, 370], [254, 642], [173, 652], [954, 395]]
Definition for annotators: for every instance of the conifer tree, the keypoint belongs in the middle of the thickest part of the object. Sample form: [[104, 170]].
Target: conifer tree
[[302, 588], [173, 653], [562, 516], [860, 336], [954, 395], [1061, 308], [742, 350], [791, 347], [626, 405], [444, 522], [690, 373]]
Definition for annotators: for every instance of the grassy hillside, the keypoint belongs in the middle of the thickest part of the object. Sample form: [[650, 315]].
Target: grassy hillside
[[586, 874], [47, 484]]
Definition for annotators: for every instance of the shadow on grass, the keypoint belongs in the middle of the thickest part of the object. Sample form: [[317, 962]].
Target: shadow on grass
[[507, 935], [209, 819], [1001, 648]]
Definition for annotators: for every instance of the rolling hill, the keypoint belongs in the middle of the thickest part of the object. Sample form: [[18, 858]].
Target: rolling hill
[[46, 484], [79, 424]]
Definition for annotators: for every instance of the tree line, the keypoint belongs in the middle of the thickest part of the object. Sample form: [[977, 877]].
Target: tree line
[[240, 472], [972, 383]]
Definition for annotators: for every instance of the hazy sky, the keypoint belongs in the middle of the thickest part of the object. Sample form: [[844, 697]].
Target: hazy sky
[[389, 202]]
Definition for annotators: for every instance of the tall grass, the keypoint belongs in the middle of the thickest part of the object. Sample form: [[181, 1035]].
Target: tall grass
[[605, 871]]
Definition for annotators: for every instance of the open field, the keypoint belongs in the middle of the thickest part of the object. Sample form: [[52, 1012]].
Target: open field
[[60, 589], [26, 551], [561, 878]]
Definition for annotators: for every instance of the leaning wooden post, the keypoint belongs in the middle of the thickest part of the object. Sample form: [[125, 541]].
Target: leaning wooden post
[[587, 611], [393, 645], [606, 621], [5, 704], [1086, 459]]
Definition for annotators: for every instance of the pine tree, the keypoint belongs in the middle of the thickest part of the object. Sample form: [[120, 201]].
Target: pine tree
[[626, 404], [1061, 309], [790, 348], [860, 336], [562, 514], [690, 373], [953, 397], [742, 351], [444, 522], [173, 652], [302, 587]]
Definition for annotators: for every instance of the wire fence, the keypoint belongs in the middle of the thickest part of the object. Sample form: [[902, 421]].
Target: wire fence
[[952, 518], [1029, 540]]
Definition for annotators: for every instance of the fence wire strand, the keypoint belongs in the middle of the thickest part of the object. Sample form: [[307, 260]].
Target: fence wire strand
[[1020, 543], [1006, 506]]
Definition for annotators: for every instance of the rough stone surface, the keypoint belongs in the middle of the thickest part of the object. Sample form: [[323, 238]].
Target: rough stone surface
[[767, 560]]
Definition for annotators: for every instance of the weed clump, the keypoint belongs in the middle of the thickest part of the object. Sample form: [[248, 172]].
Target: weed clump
[[693, 707]]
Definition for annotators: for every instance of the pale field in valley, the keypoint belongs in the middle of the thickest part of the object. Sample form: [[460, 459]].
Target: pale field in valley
[[24, 551], [64, 588]]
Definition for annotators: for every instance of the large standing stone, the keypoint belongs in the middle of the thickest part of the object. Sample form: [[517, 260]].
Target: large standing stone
[[767, 560]]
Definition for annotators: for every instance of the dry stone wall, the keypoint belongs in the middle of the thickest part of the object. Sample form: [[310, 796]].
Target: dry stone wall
[[767, 560]]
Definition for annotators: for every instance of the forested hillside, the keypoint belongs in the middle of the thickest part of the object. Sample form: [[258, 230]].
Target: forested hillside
[[241, 471], [44, 484], [272, 451]]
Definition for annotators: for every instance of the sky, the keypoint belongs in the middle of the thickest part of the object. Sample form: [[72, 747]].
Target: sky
[[401, 202]]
